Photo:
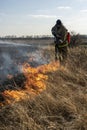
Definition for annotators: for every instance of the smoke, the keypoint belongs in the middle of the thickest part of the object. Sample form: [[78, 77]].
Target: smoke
[[14, 55], [7, 66], [39, 57]]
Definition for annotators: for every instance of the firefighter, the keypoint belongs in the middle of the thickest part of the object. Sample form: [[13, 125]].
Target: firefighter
[[60, 34]]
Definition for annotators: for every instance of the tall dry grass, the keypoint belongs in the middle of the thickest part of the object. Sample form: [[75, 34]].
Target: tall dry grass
[[62, 106]]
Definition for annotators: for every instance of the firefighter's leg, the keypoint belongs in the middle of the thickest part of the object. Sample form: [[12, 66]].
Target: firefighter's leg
[[64, 53], [60, 54], [56, 51]]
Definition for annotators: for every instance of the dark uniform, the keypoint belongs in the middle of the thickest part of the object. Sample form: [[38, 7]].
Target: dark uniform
[[61, 43]]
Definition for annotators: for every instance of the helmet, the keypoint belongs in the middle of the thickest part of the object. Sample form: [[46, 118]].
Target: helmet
[[58, 22]]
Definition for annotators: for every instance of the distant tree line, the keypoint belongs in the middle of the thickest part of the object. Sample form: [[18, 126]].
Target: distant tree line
[[76, 39], [14, 37]]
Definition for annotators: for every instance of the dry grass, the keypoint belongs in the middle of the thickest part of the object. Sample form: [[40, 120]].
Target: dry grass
[[63, 106]]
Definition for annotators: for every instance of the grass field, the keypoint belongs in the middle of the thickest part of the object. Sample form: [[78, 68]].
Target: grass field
[[61, 106]]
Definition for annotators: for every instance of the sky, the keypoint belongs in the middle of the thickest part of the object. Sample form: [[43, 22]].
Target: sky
[[37, 17]]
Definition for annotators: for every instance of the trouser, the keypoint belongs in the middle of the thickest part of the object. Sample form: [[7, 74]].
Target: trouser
[[61, 53]]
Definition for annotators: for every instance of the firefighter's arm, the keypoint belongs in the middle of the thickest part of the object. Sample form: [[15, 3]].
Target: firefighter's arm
[[53, 31], [55, 34]]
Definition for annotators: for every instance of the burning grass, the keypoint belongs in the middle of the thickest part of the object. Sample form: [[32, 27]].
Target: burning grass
[[31, 81], [63, 103]]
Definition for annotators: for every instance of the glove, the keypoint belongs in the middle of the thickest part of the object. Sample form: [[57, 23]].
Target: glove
[[58, 36], [60, 41]]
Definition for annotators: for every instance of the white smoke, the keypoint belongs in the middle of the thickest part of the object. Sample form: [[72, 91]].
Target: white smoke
[[13, 55]]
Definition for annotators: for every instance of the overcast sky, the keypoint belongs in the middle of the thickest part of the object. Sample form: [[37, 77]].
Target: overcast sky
[[36, 17]]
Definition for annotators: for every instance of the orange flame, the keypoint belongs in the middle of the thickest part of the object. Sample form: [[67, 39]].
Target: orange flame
[[34, 84]]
